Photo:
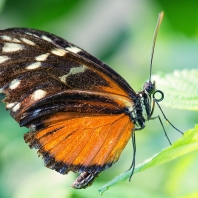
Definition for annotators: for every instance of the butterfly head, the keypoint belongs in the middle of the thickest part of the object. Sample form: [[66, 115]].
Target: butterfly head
[[149, 87]]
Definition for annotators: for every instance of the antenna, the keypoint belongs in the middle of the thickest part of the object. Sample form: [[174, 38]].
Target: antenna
[[159, 21]]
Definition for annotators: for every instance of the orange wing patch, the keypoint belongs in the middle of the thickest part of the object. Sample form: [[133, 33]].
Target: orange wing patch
[[113, 87], [82, 142]]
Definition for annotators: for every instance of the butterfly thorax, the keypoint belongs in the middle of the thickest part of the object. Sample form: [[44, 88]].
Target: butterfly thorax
[[142, 110]]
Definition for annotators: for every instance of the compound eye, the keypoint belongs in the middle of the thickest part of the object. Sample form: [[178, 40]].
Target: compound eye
[[149, 87], [159, 97]]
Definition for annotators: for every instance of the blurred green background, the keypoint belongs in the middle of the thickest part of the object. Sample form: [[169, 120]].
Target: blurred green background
[[120, 33]]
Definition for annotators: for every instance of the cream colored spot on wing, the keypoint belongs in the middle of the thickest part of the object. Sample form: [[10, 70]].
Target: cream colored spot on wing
[[14, 84], [4, 58], [42, 57], [16, 107], [74, 70], [12, 47], [73, 49], [58, 52], [27, 41], [38, 94], [16, 40], [6, 38], [10, 105], [32, 34], [47, 38], [33, 66]]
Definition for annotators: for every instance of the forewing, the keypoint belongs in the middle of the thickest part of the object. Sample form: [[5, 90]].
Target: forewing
[[33, 69], [79, 53]]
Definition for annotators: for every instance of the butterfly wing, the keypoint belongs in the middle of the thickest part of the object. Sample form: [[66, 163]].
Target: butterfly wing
[[81, 143], [76, 107], [77, 52]]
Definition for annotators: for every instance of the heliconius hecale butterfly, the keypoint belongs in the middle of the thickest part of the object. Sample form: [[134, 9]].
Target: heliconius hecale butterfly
[[80, 112]]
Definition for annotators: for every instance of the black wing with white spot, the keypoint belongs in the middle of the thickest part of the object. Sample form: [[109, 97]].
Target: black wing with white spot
[[76, 50], [38, 69]]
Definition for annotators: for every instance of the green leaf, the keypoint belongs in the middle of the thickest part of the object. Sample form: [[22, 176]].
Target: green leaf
[[186, 144], [180, 89]]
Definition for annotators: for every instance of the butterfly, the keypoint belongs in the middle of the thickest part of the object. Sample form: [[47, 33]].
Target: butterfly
[[80, 112]]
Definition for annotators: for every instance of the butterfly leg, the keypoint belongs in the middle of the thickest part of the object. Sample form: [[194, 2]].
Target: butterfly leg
[[167, 118], [134, 154], [153, 118]]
